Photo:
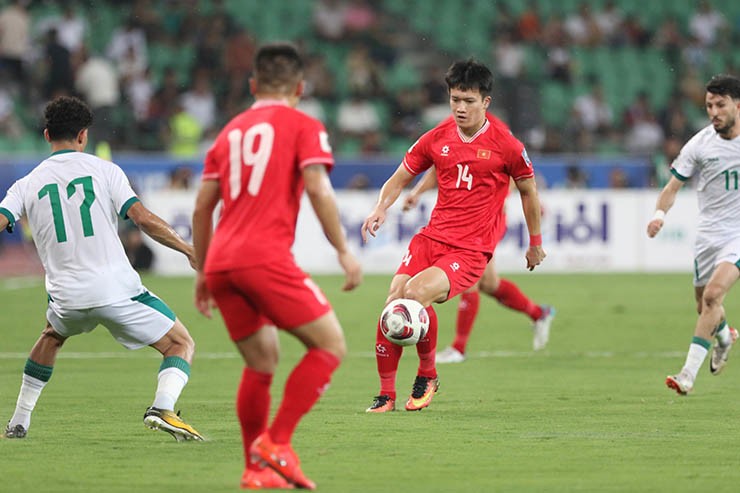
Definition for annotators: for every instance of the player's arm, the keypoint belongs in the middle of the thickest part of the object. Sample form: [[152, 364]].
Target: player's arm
[[427, 182], [3, 222], [321, 194], [208, 197], [157, 229], [532, 210], [665, 201], [389, 193]]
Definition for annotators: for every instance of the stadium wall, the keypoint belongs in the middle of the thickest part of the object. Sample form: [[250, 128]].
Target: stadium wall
[[583, 231]]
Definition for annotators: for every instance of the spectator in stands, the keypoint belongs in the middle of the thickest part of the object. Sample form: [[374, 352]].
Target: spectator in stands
[[406, 114], [707, 24], [582, 27], [183, 133], [357, 116], [139, 90], [559, 61], [359, 18], [618, 178], [97, 81], [319, 79], [237, 62], [329, 19], [199, 101], [128, 45], [10, 126], [71, 28], [661, 163], [363, 74], [644, 135], [609, 20], [529, 25], [59, 78], [575, 177], [593, 111], [669, 38], [633, 33], [15, 27]]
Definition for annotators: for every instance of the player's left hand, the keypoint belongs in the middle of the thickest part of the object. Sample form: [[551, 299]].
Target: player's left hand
[[203, 299], [535, 255], [372, 224]]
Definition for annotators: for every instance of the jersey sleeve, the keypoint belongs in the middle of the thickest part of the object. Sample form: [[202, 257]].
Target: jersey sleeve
[[313, 145], [210, 165], [684, 166], [12, 205], [417, 158], [519, 165], [122, 195]]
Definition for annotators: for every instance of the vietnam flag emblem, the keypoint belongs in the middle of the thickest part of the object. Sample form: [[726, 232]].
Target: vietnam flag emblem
[[484, 154]]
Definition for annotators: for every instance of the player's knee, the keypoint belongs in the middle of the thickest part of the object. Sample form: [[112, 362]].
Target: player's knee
[[52, 337], [713, 295]]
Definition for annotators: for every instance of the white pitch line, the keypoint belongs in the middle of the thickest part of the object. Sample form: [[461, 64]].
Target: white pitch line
[[367, 354], [17, 283]]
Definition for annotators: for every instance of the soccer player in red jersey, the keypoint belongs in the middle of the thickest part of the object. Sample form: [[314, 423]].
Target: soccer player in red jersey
[[474, 156], [258, 167], [503, 290]]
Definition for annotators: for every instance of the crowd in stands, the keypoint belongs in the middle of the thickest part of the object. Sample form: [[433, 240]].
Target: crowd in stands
[[164, 75]]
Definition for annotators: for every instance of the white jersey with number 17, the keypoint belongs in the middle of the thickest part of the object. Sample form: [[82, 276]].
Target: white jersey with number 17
[[71, 201]]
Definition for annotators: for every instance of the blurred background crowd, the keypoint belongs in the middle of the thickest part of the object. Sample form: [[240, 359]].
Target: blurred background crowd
[[603, 77]]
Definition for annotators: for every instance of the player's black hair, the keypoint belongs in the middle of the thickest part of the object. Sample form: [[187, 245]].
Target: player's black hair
[[724, 85], [469, 75], [277, 65], [65, 117]]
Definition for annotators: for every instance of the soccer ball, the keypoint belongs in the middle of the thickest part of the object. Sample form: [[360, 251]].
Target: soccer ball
[[404, 322]]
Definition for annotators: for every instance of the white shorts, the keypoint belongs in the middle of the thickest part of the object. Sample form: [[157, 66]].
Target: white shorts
[[134, 323], [707, 256]]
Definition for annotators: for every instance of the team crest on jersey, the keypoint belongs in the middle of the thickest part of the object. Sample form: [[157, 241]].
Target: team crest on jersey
[[526, 158], [445, 150], [484, 154]]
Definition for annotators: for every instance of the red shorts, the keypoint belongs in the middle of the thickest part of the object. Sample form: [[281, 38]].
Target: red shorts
[[269, 294], [463, 267]]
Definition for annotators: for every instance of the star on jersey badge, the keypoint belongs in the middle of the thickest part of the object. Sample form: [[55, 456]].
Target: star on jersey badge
[[484, 154]]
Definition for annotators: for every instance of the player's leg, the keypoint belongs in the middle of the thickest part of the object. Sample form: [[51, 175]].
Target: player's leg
[[387, 356], [428, 286], [177, 349], [508, 294], [36, 375], [467, 311], [256, 339], [709, 321]]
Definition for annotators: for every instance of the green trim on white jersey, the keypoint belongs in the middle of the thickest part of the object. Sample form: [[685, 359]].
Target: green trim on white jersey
[[152, 301], [127, 206], [11, 220], [63, 151], [679, 175]]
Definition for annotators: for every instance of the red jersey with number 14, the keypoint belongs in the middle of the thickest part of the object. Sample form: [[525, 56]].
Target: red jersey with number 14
[[257, 160], [472, 180]]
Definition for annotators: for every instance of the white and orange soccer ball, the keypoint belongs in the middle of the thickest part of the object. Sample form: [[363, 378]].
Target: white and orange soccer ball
[[404, 322]]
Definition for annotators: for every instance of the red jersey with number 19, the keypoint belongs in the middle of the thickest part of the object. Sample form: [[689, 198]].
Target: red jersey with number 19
[[472, 180], [257, 160]]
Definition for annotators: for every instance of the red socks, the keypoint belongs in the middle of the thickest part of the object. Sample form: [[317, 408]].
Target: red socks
[[308, 380], [253, 407], [509, 295], [427, 347], [387, 356], [467, 310]]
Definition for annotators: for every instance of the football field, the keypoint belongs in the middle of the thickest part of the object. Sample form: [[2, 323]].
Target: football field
[[590, 413]]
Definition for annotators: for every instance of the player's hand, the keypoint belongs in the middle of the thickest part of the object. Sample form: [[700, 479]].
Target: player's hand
[[410, 202], [372, 224], [203, 299], [535, 255], [654, 227], [352, 270]]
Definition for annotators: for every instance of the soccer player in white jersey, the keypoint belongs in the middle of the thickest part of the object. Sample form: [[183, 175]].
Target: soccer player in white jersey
[[713, 157], [71, 202]]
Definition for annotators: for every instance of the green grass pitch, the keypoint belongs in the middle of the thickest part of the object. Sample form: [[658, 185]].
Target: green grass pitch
[[590, 413]]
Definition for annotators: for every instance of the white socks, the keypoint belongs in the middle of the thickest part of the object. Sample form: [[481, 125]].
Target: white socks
[[27, 397], [171, 381], [694, 359]]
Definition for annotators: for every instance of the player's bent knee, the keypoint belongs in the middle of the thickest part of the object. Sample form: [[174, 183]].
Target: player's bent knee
[[713, 295]]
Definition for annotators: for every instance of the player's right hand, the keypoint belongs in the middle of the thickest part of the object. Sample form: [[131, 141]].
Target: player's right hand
[[410, 202], [372, 224], [203, 299], [654, 227], [352, 270]]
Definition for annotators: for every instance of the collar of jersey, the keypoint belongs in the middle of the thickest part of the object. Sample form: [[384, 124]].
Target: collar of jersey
[[269, 102], [63, 151], [466, 139]]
